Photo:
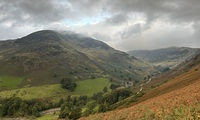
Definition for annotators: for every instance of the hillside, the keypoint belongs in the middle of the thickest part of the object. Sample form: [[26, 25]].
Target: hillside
[[178, 98], [45, 57], [167, 57]]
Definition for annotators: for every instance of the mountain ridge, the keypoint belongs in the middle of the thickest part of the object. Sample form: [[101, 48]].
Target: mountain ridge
[[48, 56], [167, 57]]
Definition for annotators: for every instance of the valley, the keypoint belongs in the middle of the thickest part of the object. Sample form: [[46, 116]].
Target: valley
[[32, 69], [99, 60], [52, 74], [166, 57], [177, 98]]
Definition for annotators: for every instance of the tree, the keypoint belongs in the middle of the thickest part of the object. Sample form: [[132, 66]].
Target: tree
[[68, 84], [103, 107], [75, 114], [116, 95], [3, 110], [35, 112], [64, 112], [105, 89], [61, 101], [111, 79], [113, 86]]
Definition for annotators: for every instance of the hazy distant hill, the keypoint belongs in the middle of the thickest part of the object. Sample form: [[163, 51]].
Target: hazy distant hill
[[166, 56], [47, 56]]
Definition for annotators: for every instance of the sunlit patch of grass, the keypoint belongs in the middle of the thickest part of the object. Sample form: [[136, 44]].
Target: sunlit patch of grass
[[45, 91], [91, 86]]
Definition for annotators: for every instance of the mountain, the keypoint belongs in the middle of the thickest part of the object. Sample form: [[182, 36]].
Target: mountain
[[45, 57], [178, 96], [167, 57]]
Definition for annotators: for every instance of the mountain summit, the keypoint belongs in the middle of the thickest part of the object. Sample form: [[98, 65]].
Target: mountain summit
[[47, 56]]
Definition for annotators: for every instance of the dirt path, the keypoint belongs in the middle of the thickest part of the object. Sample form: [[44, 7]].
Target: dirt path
[[50, 111], [141, 85]]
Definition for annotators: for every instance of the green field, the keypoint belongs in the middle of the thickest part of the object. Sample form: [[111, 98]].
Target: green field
[[91, 86], [10, 82], [55, 92], [46, 91]]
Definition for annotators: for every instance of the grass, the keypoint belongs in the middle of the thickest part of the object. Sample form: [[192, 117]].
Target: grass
[[46, 91], [10, 82], [182, 112], [49, 117], [55, 92], [91, 86]]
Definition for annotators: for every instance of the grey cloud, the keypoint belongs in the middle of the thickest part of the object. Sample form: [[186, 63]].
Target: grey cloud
[[121, 26], [131, 30], [51, 10], [102, 37], [134, 29], [151, 8], [32, 11], [14, 33], [88, 8], [196, 33], [180, 10], [157, 39], [117, 19], [186, 11]]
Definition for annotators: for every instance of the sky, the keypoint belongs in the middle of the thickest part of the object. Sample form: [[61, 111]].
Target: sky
[[123, 24]]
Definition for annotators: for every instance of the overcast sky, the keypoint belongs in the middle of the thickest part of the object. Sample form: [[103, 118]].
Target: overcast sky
[[123, 24]]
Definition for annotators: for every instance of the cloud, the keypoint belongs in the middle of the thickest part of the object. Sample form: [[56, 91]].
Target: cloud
[[133, 29], [117, 19], [34, 11], [123, 24], [180, 10], [160, 35], [102, 37]]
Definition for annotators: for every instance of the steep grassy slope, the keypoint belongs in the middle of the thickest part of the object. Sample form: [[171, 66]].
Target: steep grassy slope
[[167, 56], [178, 98], [157, 108], [45, 57], [183, 75]]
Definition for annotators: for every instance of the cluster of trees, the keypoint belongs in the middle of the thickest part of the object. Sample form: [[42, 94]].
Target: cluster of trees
[[18, 107], [114, 86], [75, 107], [67, 83], [71, 107]]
